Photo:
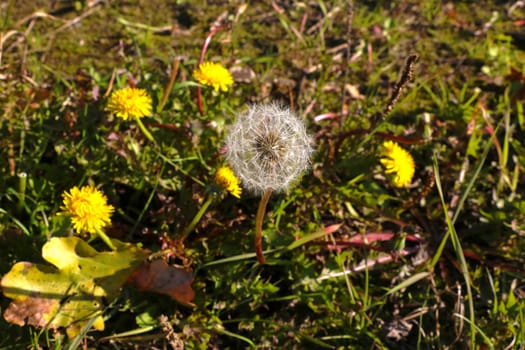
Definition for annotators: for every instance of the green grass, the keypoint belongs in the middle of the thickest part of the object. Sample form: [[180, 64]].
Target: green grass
[[461, 117]]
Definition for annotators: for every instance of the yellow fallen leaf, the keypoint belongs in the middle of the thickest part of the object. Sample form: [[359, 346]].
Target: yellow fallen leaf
[[72, 293]]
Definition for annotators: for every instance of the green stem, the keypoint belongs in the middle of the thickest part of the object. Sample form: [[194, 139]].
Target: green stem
[[145, 130], [106, 239], [22, 184], [258, 225], [197, 218]]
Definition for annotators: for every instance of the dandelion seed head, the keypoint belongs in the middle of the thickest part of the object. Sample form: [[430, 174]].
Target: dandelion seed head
[[399, 162], [268, 148]]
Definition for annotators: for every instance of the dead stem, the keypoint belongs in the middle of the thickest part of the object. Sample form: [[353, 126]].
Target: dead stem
[[169, 86], [406, 77]]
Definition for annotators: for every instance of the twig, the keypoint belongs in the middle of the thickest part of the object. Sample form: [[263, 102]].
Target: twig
[[348, 49], [76, 20], [370, 263], [3, 39], [111, 82], [167, 88]]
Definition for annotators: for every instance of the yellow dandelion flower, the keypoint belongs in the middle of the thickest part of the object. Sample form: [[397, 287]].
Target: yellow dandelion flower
[[226, 179], [399, 162], [129, 103], [88, 209], [213, 74]]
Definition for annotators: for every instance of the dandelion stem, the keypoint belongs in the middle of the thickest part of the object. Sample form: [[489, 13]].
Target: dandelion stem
[[106, 239], [197, 218], [201, 59], [144, 130], [208, 40], [258, 225]]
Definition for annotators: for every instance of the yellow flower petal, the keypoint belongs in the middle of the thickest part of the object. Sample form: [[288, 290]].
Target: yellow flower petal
[[129, 103], [399, 162], [213, 74], [226, 179], [87, 208]]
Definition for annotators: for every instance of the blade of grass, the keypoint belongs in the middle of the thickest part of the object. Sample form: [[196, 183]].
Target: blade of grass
[[235, 335], [75, 342], [246, 256], [463, 198], [487, 340], [312, 236], [409, 281], [451, 232], [130, 333], [349, 286], [16, 221], [482, 160], [295, 244], [317, 342]]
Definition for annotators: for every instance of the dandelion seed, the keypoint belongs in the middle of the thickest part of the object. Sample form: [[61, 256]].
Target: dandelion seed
[[268, 148], [399, 162], [87, 208], [130, 103], [213, 74]]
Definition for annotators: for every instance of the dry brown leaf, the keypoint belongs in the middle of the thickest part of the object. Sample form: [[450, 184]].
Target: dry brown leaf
[[159, 277]]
